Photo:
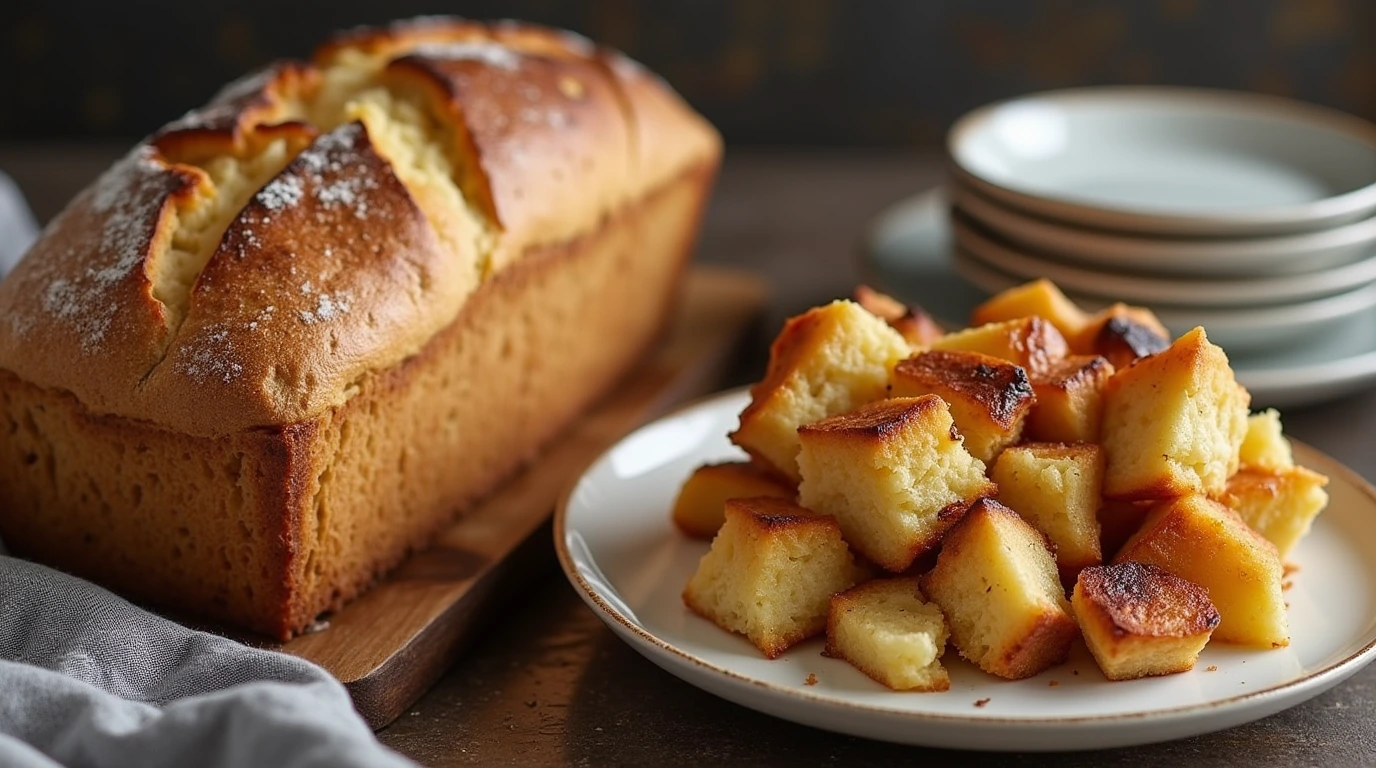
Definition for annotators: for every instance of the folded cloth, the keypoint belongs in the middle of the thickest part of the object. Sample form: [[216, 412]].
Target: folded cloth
[[87, 679]]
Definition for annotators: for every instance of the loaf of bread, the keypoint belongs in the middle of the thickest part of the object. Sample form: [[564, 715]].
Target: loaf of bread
[[294, 332]]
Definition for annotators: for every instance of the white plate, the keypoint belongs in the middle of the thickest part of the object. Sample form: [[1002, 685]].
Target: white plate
[[623, 556], [1179, 291], [1106, 251], [907, 252], [1173, 161]]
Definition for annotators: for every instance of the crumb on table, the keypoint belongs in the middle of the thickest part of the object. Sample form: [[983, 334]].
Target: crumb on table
[[1053, 683], [981, 702], [811, 679], [1211, 668]]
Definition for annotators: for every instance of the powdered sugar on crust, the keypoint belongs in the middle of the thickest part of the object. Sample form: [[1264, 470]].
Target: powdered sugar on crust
[[325, 175], [212, 356], [127, 201], [492, 54]]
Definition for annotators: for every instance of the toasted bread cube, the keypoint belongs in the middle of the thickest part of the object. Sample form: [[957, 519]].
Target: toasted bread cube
[[1039, 298], [828, 360], [913, 323], [1203, 541], [771, 572], [894, 473], [1173, 422], [1279, 504], [989, 398], [1030, 342], [1141, 621], [699, 509], [1265, 445], [885, 629], [1057, 488], [1118, 522], [996, 582], [1122, 334], [1070, 402]]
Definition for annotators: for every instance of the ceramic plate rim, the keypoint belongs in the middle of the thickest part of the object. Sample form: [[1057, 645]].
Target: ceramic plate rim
[[1270, 219], [1115, 251], [1318, 681], [1236, 292]]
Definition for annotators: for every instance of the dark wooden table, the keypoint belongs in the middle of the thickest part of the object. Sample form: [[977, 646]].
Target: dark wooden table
[[548, 684]]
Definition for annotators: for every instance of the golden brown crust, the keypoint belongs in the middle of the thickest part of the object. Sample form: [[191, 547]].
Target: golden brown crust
[[324, 507], [547, 167], [1145, 600], [1001, 388], [770, 513], [877, 421]]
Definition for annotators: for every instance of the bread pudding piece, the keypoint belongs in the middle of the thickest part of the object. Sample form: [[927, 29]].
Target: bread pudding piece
[[1122, 334], [913, 323], [1118, 521], [699, 509], [1139, 620], [1173, 422], [1039, 298], [1265, 445], [828, 360], [885, 629], [996, 583], [1057, 488], [1070, 403], [1030, 342], [1203, 541], [894, 473], [989, 398], [771, 572], [1279, 504]]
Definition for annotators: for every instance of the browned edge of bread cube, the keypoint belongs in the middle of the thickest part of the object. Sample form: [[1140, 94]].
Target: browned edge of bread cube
[[871, 469], [771, 572], [1000, 620], [1140, 620], [989, 398]]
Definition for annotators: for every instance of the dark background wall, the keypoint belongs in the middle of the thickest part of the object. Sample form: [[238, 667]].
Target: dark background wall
[[790, 72]]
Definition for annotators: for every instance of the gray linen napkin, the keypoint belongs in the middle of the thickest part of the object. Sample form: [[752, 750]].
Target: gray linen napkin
[[87, 679]]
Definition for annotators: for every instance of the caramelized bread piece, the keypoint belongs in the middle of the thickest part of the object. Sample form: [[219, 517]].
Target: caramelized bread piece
[[771, 572], [699, 508], [1039, 298], [1122, 334], [885, 629], [1030, 342], [1070, 403], [1265, 445], [1139, 620], [1207, 543], [989, 398], [913, 323], [1057, 488], [996, 583], [1279, 504], [895, 474], [828, 360], [1173, 422]]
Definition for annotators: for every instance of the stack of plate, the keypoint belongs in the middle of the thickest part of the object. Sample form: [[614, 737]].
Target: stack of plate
[[1252, 216]]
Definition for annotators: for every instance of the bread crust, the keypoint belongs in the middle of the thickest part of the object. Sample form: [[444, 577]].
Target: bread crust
[[260, 470], [541, 128]]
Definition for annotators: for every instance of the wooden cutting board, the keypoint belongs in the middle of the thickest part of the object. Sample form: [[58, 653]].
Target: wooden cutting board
[[391, 644]]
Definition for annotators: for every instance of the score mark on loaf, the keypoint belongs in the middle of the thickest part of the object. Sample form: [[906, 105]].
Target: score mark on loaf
[[293, 332]]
